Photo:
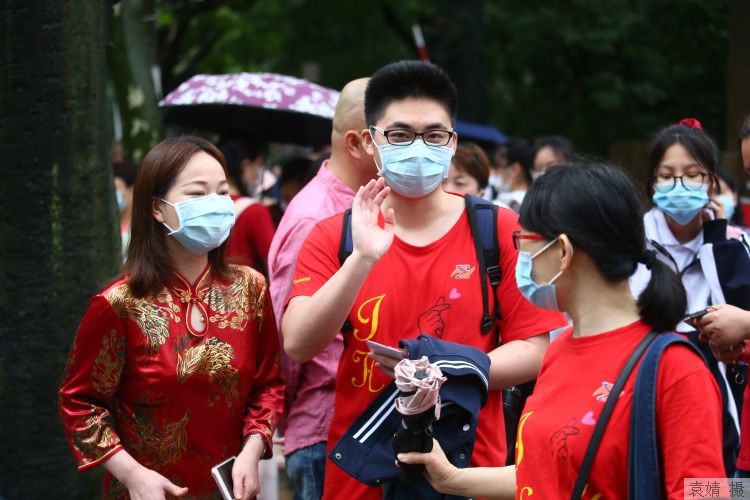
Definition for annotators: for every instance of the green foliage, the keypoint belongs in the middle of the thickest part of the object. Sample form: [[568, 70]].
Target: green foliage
[[606, 71], [347, 39], [596, 71]]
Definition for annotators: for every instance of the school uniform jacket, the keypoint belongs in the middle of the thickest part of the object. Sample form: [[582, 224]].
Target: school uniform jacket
[[366, 450]]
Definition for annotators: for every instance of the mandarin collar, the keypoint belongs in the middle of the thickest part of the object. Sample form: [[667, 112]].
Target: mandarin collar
[[188, 292]]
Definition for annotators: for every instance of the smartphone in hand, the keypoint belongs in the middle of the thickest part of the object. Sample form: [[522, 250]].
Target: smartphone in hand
[[690, 318], [222, 474], [384, 350]]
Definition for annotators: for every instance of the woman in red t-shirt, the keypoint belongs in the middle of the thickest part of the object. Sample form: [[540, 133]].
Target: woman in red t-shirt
[[582, 238]]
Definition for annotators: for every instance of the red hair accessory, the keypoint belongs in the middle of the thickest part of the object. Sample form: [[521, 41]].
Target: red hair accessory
[[691, 122]]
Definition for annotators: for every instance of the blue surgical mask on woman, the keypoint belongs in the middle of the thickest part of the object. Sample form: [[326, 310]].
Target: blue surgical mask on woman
[[728, 201], [414, 170], [681, 204], [205, 222], [544, 296]]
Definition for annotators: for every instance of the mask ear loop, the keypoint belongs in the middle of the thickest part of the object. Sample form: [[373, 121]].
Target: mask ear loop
[[179, 218], [545, 247], [375, 146]]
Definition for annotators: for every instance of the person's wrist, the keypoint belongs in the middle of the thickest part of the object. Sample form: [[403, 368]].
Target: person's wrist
[[454, 482], [129, 475], [363, 261], [255, 442]]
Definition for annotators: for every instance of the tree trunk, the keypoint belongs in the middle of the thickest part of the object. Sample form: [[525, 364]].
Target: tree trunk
[[130, 56], [58, 239]]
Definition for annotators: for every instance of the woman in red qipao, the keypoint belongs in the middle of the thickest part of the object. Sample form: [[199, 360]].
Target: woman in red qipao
[[175, 366]]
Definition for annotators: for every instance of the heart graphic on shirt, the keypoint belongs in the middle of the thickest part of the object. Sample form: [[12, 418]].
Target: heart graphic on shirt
[[588, 419], [454, 294]]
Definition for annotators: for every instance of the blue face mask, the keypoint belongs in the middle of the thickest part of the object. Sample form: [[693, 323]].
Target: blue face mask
[[205, 222], [544, 296], [728, 201], [120, 201], [680, 204], [414, 170]]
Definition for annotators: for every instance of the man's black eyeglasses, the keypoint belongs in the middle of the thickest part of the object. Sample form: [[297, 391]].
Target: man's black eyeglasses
[[405, 137]]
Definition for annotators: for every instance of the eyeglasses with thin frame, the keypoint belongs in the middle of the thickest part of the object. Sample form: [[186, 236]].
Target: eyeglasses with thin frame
[[691, 181], [518, 235], [405, 137]]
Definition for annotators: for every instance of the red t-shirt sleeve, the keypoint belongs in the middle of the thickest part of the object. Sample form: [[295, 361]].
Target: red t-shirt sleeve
[[318, 259], [688, 420], [520, 319]]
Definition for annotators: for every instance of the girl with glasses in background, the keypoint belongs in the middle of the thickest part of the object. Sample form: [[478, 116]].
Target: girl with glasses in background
[[687, 228]]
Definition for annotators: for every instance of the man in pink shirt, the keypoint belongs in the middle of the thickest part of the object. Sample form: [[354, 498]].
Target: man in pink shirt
[[310, 387]]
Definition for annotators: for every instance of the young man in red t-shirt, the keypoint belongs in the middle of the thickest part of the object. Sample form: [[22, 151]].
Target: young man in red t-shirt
[[413, 268]]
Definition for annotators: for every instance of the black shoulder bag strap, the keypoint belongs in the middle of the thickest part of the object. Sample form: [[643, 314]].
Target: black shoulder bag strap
[[346, 247], [601, 424], [483, 223]]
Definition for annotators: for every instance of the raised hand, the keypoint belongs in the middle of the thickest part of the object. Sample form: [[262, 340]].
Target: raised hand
[[370, 241], [717, 207]]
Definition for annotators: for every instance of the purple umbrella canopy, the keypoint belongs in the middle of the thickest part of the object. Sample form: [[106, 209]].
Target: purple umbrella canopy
[[266, 106]]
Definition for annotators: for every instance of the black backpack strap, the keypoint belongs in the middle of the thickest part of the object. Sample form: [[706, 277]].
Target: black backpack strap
[[483, 223], [346, 247], [601, 424]]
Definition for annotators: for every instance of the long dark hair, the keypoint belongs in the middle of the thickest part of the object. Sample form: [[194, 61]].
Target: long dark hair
[[148, 265], [598, 208]]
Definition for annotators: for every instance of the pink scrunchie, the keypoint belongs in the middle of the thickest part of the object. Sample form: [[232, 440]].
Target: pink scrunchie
[[428, 388]]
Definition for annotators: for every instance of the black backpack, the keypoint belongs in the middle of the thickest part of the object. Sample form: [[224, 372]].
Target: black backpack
[[483, 223]]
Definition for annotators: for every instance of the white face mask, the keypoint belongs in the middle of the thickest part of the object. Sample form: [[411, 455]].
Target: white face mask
[[536, 174], [500, 182]]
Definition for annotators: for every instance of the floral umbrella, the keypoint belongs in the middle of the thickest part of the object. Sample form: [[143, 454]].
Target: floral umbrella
[[266, 106]]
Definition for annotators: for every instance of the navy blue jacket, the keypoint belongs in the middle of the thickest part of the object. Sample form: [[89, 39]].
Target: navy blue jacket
[[366, 450]]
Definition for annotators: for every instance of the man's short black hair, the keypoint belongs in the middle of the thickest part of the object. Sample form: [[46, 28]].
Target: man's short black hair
[[405, 79]]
